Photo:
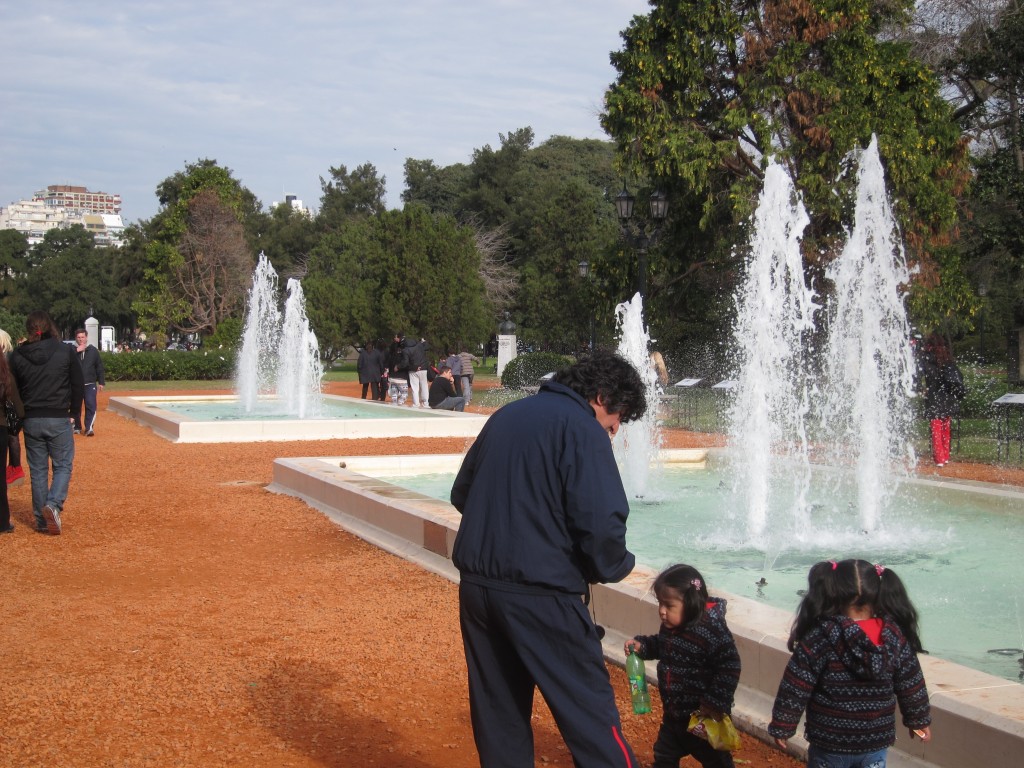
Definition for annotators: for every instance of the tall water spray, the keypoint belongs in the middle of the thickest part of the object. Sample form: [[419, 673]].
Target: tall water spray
[[869, 362], [860, 401], [277, 355], [775, 317], [257, 360], [299, 369], [638, 442]]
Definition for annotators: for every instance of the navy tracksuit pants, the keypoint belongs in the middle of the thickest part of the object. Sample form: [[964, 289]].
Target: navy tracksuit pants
[[521, 638]]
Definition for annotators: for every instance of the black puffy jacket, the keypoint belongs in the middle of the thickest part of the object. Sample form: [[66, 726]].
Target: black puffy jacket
[[49, 378]]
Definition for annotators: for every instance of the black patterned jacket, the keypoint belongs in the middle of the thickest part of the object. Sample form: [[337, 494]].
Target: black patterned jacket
[[697, 664], [850, 688]]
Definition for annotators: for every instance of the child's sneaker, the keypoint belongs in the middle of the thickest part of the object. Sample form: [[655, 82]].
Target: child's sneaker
[[15, 475]]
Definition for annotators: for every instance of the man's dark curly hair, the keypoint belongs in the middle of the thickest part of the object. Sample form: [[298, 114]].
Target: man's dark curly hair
[[607, 374]]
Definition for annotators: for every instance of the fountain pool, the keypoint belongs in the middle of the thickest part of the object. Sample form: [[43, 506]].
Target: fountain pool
[[978, 718], [223, 419], [957, 547]]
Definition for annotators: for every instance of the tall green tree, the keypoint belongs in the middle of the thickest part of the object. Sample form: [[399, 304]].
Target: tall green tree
[[129, 262], [489, 196], [286, 236], [165, 302], [986, 67], [560, 215], [537, 213], [400, 270], [439, 189], [555, 302], [349, 195], [708, 92]]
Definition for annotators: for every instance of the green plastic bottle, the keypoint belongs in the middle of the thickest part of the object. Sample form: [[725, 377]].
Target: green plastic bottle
[[638, 684]]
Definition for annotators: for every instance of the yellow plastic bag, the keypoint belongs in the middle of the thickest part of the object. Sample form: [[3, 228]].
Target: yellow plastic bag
[[720, 734]]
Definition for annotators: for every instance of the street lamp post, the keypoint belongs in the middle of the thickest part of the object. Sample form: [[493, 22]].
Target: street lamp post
[[639, 237], [584, 268]]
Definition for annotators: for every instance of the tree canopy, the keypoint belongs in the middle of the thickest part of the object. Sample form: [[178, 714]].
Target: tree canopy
[[195, 254], [70, 279], [705, 94], [708, 92], [400, 270]]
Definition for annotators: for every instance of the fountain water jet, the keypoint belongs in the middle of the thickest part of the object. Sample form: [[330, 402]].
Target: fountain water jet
[[255, 370], [638, 442], [869, 362], [278, 356], [860, 402], [775, 315]]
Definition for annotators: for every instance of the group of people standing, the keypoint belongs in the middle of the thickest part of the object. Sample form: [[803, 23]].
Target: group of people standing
[[544, 517], [46, 382], [404, 368]]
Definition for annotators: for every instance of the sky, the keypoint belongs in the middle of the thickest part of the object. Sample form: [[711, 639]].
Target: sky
[[118, 96]]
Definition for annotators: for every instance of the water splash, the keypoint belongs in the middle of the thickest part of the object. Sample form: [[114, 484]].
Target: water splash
[[638, 442], [869, 362], [775, 316], [860, 405], [299, 367], [278, 356], [256, 372]]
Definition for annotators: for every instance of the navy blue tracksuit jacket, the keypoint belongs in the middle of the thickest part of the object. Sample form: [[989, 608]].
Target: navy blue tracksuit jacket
[[543, 515]]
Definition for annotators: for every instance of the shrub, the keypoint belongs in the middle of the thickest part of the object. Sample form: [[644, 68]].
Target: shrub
[[525, 370], [982, 389], [228, 334], [169, 366]]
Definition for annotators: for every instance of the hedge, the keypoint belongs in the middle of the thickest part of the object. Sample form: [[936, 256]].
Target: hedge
[[169, 366]]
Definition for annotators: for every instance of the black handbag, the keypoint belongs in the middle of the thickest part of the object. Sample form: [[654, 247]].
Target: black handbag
[[13, 419]]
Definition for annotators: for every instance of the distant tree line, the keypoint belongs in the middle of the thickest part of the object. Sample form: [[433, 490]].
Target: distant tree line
[[705, 95]]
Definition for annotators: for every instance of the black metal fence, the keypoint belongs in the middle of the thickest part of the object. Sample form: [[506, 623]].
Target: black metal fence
[[995, 438]]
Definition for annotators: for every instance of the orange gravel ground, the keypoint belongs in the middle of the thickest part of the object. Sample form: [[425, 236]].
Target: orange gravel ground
[[187, 617]]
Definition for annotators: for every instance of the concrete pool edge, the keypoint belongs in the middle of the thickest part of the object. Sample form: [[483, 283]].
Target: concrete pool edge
[[179, 428], [978, 719]]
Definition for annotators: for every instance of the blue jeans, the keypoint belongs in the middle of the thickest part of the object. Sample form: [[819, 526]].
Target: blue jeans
[[49, 440], [819, 758], [451, 404]]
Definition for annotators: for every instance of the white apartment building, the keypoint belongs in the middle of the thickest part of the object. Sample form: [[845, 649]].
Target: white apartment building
[[64, 206]]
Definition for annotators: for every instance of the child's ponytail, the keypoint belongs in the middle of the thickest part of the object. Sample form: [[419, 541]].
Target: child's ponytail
[[812, 607], [832, 587], [894, 602]]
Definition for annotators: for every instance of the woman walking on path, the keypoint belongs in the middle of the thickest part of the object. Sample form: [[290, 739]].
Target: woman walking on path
[[49, 379]]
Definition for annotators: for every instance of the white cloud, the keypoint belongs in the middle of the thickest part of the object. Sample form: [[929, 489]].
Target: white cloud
[[119, 96]]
